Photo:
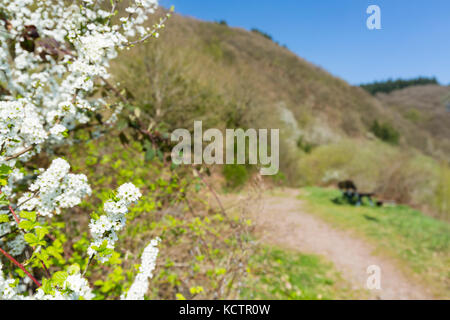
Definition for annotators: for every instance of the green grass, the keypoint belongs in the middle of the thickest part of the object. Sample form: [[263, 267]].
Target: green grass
[[279, 274], [419, 243]]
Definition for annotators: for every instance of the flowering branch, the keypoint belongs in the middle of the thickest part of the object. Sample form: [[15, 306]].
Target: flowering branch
[[60, 51]]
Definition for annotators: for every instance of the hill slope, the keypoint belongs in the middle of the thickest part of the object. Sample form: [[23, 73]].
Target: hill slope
[[254, 73], [230, 77], [428, 109]]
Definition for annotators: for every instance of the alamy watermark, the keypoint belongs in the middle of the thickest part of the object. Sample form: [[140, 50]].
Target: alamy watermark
[[374, 280], [238, 147], [374, 20]]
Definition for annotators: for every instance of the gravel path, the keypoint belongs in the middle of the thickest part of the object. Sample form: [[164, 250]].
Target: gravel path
[[280, 220]]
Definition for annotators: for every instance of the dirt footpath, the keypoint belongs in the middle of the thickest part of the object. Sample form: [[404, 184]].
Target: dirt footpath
[[280, 220]]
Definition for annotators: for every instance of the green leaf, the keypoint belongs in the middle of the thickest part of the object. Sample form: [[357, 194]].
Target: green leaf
[[54, 252], [26, 225], [160, 155], [42, 255], [47, 286], [75, 268], [95, 216], [121, 124], [20, 272], [41, 232], [30, 238], [4, 218], [5, 170], [149, 154], [28, 215], [59, 277]]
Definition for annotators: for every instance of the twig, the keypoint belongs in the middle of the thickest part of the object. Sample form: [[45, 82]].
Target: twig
[[87, 265], [20, 266], [25, 201], [8, 233], [212, 191], [19, 153], [14, 215], [115, 90], [46, 270], [150, 34], [18, 222]]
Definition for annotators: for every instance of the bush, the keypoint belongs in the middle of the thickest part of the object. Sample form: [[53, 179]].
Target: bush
[[236, 175], [385, 132], [262, 33]]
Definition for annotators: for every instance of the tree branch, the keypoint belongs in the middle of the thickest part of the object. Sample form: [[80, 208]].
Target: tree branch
[[20, 266], [19, 153]]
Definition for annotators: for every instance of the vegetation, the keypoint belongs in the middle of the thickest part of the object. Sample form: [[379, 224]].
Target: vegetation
[[220, 75], [420, 243], [394, 174], [235, 175], [391, 85], [303, 277], [422, 118], [228, 78], [202, 250], [262, 33], [385, 132]]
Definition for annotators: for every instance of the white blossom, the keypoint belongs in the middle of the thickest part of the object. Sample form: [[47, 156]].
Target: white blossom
[[140, 285], [7, 288], [106, 227], [55, 189]]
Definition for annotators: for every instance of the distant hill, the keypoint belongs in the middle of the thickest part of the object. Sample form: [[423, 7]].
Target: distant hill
[[426, 108], [392, 85]]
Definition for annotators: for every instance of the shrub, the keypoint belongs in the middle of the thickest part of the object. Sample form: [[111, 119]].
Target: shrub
[[235, 175], [385, 132], [262, 33]]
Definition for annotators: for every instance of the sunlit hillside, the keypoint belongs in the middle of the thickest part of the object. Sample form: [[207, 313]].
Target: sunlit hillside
[[230, 77]]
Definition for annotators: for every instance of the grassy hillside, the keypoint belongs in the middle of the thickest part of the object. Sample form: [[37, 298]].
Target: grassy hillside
[[248, 71], [230, 78]]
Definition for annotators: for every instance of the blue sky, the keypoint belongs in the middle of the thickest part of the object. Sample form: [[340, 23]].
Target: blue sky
[[414, 39]]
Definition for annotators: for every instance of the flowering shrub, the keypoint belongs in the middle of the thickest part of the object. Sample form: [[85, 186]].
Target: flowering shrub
[[54, 59], [200, 246]]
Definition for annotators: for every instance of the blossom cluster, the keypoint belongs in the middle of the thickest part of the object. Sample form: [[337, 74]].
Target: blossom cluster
[[104, 229], [55, 188], [51, 56], [148, 264], [7, 288], [75, 287]]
